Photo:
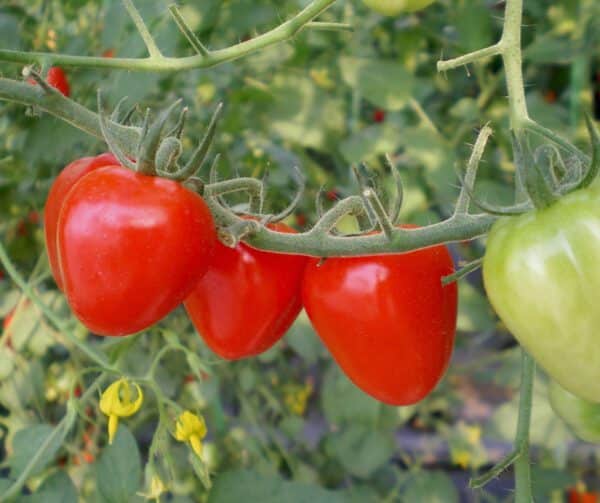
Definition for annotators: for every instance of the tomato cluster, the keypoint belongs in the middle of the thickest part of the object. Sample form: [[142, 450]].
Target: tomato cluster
[[127, 248]]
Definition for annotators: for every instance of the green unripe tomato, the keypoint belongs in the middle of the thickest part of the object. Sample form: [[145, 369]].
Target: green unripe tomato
[[582, 416], [541, 272], [395, 7]]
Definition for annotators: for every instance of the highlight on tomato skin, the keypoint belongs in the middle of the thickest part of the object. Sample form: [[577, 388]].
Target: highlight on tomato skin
[[387, 320], [248, 298], [63, 183]]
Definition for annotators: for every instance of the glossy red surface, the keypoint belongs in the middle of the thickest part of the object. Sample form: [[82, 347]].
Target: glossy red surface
[[131, 248], [387, 320], [68, 177], [247, 300]]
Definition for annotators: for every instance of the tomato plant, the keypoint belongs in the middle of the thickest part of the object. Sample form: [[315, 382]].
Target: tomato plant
[[68, 177], [247, 299], [351, 89], [540, 273], [131, 248], [387, 320], [396, 7]]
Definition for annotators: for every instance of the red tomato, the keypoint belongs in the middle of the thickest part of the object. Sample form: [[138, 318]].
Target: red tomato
[[108, 53], [131, 248], [56, 78], [332, 195], [550, 96], [59, 190], [8, 319], [576, 496], [379, 115], [301, 220], [387, 320], [248, 299]]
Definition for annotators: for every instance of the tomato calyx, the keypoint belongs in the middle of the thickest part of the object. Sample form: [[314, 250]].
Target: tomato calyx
[[158, 154], [545, 175]]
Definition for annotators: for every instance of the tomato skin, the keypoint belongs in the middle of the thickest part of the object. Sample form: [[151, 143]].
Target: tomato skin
[[395, 7], [56, 78], [248, 298], [70, 175], [541, 275], [387, 320], [379, 116], [582, 416], [576, 496], [131, 248]]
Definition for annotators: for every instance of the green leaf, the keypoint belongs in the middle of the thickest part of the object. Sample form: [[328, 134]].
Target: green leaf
[[57, 488], [385, 83], [302, 339], [549, 431], [344, 403], [10, 32], [547, 480], [371, 142], [7, 363], [246, 485], [27, 443], [474, 25], [474, 314], [430, 487], [119, 469], [362, 450], [303, 113]]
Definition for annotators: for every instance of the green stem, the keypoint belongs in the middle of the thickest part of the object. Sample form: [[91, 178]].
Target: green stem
[[63, 329], [153, 49], [159, 63], [68, 110], [513, 62], [522, 464]]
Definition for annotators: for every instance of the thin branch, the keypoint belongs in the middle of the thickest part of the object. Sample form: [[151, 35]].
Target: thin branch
[[461, 273], [160, 63], [187, 31], [450, 64], [153, 49], [462, 205], [523, 490], [382, 217], [496, 470]]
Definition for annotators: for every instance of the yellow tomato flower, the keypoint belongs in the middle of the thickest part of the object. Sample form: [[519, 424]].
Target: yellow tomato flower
[[191, 428], [116, 402]]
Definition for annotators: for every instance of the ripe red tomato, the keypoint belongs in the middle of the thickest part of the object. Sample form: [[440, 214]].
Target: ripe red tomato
[[56, 78], [378, 115], [577, 496], [387, 320], [248, 299], [70, 175], [131, 248]]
